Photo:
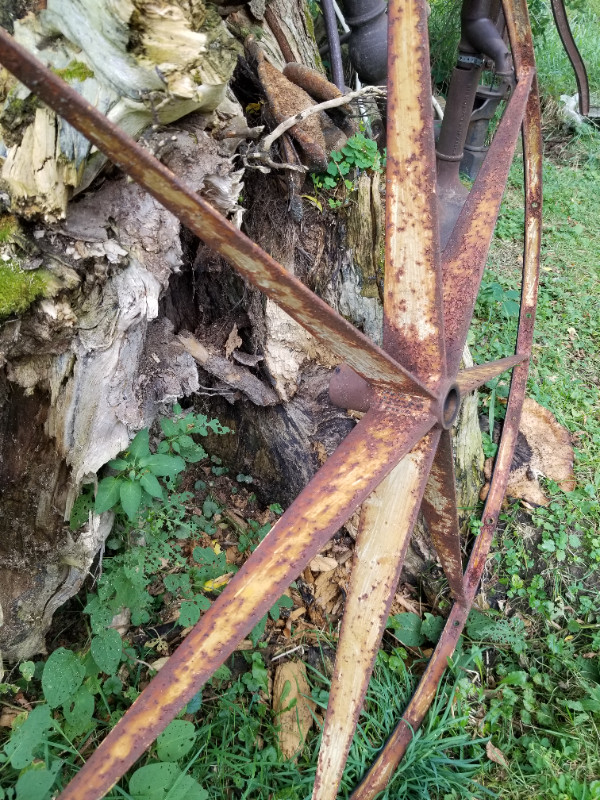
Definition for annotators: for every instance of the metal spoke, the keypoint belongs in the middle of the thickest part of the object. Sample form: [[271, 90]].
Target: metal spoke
[[472, 378], [413, 320], [386, 522], [441, 515], [464, 257], [363, 459]]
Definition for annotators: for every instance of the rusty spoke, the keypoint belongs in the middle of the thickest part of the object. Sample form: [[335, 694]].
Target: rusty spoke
[[464, 257], [472, 378], [566, 36], [249, 259], [413, 322], [386, 521], [363, 459], [440, 511]]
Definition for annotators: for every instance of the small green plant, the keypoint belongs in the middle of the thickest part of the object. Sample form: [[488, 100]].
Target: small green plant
[[359, 153], [138, 469]]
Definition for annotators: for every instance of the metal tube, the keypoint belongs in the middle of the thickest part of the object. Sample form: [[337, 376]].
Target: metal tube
[[335, 50]]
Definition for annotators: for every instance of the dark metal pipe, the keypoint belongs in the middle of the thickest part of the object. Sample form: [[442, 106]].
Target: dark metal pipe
[[368, 41], [335, 50], [480, 35]]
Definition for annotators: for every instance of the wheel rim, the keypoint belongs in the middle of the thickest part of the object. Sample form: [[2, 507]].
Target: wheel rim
[[399, 455]]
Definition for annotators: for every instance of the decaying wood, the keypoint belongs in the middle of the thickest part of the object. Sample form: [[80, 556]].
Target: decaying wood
[[293, 707], [233, 375]]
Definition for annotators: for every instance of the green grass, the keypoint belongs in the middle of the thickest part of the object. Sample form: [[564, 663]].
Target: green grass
[[545, 717], [554, 69]]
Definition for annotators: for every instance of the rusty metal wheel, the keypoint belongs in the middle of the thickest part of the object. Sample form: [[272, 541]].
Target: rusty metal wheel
[[399, 456]]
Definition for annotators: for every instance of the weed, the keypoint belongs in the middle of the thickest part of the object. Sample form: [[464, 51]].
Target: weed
[[359, 153]]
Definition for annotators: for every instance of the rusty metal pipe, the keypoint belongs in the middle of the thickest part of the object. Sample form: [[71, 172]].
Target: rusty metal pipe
[[449, 151], [564, 31]]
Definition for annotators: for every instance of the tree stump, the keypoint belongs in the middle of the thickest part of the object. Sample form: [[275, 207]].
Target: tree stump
[[110, 310]]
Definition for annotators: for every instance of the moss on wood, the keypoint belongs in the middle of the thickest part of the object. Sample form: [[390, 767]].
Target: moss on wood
[[18, 288]]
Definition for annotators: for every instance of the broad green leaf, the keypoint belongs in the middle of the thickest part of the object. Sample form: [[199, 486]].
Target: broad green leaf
[[113, 685], [163, 465], [151, 485], [176, 740], [407, 628], [153, 781], [27, 670], [140, 446], [63, 675], [164, 781], [80, 512], [107, 495], [169, 428], [189, 613], [119, 464], [35, 784], [25, 739], [106, 649], [432, 627], [131, 497], [79, 712], [283, 602]]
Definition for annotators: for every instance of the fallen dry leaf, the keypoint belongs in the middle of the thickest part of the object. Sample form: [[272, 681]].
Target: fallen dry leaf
[[293, 707], [233, 342], [543, 449], [7, 716], [495, 755]]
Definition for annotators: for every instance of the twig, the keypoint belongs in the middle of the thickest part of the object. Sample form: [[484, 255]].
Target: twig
[[371, 91], [288, 652]]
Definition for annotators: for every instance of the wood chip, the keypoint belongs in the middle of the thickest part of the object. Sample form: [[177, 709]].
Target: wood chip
[[323, 564], [293, 718]]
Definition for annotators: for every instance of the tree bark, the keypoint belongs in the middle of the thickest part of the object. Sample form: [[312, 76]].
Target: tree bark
[[133, 312]]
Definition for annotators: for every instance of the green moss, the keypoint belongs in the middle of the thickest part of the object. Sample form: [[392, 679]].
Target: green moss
[[18, 289], [15, 116], [74, 71], [9, 228]]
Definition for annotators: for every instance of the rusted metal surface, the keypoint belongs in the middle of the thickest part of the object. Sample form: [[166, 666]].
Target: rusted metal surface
[[251, 261], [386, 521], [359, 464], [413, 326], [410, 391], [382, 770], [470, 379], [440, 511], [313, 82], [559, 13], [349, 390], [464, 257]]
